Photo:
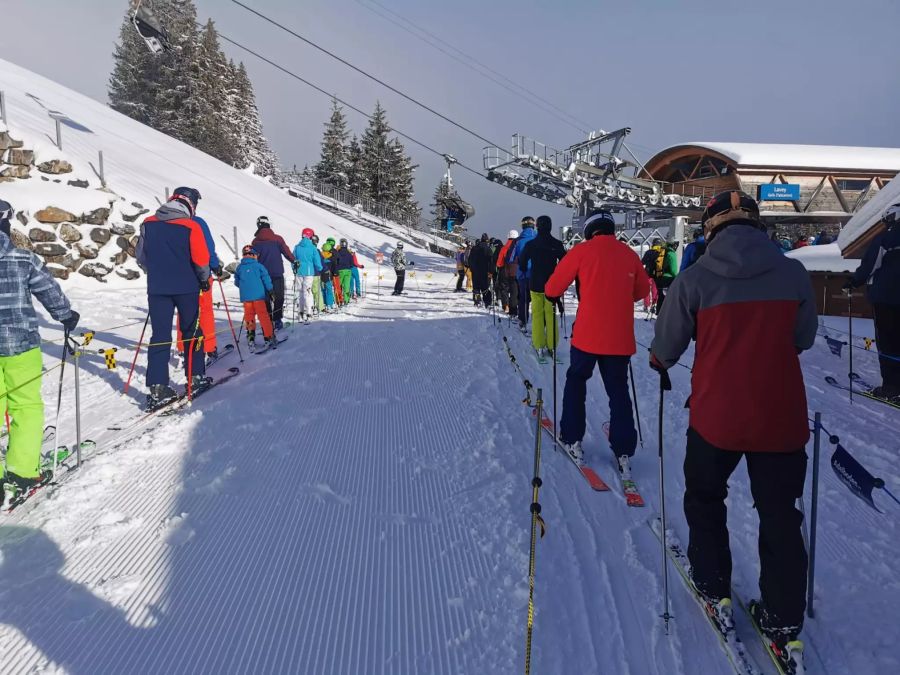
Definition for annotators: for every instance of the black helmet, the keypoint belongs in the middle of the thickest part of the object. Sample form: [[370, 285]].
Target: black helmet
[[6, 213], [599, 222], [892, 215], [263, 222], [727, 207], [188, 196]]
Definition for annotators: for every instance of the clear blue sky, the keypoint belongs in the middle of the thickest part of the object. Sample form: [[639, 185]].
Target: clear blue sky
[[804, 71]]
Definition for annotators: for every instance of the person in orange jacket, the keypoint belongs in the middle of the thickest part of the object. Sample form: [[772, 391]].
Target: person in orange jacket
[[610, 280], [509, 289]]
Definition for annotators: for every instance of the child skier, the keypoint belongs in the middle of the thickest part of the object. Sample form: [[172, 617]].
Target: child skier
[[256, 286], [308, 264]]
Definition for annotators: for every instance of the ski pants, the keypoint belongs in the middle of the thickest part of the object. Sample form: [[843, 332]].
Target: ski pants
[[162, 312], [275, 307], [662, 287], [512, 287], [345, 276], [524, 299], [460, 278], [20, 396], [401, 279], [887, 339], [328, 293], [207, 324], [337, 289], [544, 327], [468, 279], [614, 373], [253, 310], [650, 300], [355, 283], [317, 293], [305, 298], [776, 482]]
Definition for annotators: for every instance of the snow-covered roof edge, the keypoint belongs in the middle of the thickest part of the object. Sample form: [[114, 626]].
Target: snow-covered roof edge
[[782, 155], [825, 258], [870, 214]]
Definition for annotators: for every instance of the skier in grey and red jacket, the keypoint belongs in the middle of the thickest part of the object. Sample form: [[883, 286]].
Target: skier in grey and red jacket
[[751, 311]]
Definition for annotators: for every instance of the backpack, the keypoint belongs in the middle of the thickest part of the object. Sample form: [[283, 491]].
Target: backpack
[[652, 260]]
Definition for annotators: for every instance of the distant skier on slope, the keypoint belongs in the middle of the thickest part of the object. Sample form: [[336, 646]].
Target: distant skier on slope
[[611, 279], [506, 273], [694, 250], [539, 258], [256, 287], [751, 312], [460, 267], [327, 276], [399, 262], [343, 267], [355, 281], [528, 233], [480, 264], [307, 265], [271, 248], [318, 301], [24, 276], [880, 271], [172, 251]]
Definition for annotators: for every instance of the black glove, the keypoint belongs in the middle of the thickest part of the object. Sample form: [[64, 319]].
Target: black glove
[[218, 271], [665, 382], [295, 266], [270, 296], [72, 322], [204, 285]]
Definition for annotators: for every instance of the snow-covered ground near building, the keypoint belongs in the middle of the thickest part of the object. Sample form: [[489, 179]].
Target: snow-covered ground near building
[[825, 258], [357, 502]]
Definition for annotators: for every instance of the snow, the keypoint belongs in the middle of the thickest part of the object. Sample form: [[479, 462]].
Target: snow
[[825, 258], [870, 214], [787, 156], [358, 500]]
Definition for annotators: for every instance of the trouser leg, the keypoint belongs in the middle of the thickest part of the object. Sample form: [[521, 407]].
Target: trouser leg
[[20, 380], [513, 287], [249, 318], [622, 433], [188, 306], [887, 339], [538, 333], [259, 308], [401, 278], [317, 293], [460, 277], [776, 482], [208, 321], [581, 367], [162, 310], [706, 472], [524, 299], [276, 308]]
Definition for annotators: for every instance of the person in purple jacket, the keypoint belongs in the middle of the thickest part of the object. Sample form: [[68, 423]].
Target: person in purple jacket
[[271, 249]]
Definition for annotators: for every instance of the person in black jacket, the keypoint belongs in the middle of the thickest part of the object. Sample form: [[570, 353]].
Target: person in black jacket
[[539, 259], [880, 271], [480, 263]]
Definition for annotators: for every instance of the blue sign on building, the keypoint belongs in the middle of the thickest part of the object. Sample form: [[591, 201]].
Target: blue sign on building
[[779, 192]]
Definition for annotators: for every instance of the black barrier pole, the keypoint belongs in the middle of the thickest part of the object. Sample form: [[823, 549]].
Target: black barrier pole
[[813, 516]]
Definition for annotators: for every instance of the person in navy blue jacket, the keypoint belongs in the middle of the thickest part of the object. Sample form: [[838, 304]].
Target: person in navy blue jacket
[[880, 271], [271, 248], [172, 251], [528, 233]]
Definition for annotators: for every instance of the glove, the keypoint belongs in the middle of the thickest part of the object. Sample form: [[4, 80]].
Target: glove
[[218, 271], [295, 266], [665, 382], [270, 295], [72, 322], [204, 285]]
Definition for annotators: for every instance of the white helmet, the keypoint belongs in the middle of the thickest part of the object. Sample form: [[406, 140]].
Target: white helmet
[[513, 234], [892, 214]]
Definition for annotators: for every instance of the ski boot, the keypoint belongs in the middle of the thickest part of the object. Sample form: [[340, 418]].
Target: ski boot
[[270, 343], [279, 325], [199, 384], [624, 464], [17, 489], [251, 340], [574, 450], [541, 355], [212, 357], [160, 395], [781, 641]]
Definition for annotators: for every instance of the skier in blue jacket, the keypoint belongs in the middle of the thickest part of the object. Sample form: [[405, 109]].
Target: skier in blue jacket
[[528, 233], [256, 287], [307, 264]]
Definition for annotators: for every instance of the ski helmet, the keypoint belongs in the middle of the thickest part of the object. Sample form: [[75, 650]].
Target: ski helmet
[[527, 221], [308, 233], [315, 239], [513, 234], [6, 213], [399, 244], [599, 222], [248, 250], [263, 223], [190, 197], [343, 243], [728, 207], [891, 214]]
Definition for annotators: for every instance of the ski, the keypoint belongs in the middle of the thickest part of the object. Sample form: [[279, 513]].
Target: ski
[[789, 661], [541, 357], [13, 498], [629, 487], [225, 351], [270, 345], [860, 390], [182, 401], [732, 645], [589, 474]]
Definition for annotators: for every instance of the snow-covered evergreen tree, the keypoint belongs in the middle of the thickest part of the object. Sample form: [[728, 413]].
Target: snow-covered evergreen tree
[[254, 147], [133, 81], [356, 182], [377, 166], [213, 128], [403, 197], [176, 99], [333, 165], [441, 192]]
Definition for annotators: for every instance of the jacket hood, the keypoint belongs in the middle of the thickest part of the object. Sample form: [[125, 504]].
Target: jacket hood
[[266, 234], [527, 234], [306, 242], [173, 211], [5, 244], [740, 252]]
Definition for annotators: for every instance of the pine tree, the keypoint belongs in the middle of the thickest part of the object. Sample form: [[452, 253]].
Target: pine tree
[[356, 182], [176, 100], [332, 167], [441, 193], [132, 82], [402, 197], [212, 128], [254, 148], [376, 157]]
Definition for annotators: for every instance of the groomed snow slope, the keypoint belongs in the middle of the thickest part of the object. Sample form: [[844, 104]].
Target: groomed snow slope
[[140, 163]]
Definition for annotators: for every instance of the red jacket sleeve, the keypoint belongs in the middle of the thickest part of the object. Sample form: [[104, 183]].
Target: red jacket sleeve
[[563, 275], [641, 280], [199, 251]]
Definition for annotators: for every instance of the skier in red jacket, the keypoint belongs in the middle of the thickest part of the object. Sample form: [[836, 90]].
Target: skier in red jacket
[[751, 311], [610, 279]]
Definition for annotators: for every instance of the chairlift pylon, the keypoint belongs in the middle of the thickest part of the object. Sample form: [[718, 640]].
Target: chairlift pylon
[[149, 28]]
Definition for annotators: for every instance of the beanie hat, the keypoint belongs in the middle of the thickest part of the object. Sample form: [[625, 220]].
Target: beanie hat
[[544, 224]]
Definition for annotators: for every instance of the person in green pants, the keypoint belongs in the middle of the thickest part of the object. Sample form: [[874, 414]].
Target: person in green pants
[[23, 276], [538, 260], [343, 263]]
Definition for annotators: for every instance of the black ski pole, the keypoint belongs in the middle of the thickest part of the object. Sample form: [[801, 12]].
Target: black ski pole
[[62, 370], [637, 411], [850, 322], [555, 348], [665, 384]]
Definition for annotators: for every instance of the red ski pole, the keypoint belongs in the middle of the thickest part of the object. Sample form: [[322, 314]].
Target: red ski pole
[[237, 344], [137, 351]]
